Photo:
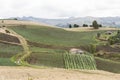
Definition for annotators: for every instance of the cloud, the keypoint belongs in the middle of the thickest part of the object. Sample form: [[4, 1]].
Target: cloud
[[59, 8]]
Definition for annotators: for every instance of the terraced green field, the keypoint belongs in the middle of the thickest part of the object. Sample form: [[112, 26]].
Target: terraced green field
[[46, 57], [107, 65], [61, 59], [6, 52], [59, 37]]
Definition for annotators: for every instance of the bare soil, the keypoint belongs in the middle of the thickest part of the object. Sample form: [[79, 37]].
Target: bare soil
[[8, 38], [106, 48], [25, 73], [81, 29], [20, 22]]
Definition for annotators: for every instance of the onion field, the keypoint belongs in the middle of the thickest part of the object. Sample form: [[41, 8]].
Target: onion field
[[79, 61]]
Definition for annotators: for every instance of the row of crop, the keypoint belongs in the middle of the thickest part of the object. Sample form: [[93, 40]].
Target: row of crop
[[79, 61]]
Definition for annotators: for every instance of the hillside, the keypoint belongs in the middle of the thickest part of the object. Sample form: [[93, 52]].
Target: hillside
[[26, 73], [44, 46]]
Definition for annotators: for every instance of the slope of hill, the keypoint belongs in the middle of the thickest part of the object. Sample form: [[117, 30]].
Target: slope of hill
[[43, 40], [55, 36]]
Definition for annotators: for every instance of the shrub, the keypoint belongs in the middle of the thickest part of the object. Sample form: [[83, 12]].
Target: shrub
[[92, 48], [114, 39]]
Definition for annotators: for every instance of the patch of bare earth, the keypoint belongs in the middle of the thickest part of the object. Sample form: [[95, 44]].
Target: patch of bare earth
[[81, 29], [20, 22], [25, 73]]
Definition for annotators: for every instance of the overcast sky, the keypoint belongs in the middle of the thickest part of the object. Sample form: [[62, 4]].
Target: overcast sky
[[59, 8]]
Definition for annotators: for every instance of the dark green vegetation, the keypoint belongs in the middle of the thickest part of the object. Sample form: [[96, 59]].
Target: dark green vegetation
[[79, 61], [95, 24], [115, 39], [6, 52]]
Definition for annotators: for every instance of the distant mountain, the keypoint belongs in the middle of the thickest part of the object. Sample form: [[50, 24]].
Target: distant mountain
[[106, 21]]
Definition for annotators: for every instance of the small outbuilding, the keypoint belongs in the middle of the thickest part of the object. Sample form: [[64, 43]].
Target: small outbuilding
[[108, 32], [76, 51]]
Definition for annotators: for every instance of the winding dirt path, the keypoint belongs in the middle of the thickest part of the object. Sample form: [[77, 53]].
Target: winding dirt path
[[23, 43]]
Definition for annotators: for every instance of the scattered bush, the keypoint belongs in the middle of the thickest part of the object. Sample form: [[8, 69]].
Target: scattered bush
[[92, 48], [114, 39]]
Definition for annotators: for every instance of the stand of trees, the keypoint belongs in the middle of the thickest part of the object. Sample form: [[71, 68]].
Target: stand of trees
[[85, 25], [76, 25], [73, 26], [95, 25]]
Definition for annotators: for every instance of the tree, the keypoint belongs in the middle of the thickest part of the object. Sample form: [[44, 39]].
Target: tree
[[75, 25], [85, 25], [95, 24], [98, 35], [70, 26], [100, 25], [15, 19], [91, 26]]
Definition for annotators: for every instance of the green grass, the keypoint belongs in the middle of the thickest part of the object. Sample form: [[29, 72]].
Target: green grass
[[108, 65], [55, 36], [6, 62], [46, 57], [6, 52]]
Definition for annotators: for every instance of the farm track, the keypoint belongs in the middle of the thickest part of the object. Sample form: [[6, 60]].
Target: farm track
[[19, 58]]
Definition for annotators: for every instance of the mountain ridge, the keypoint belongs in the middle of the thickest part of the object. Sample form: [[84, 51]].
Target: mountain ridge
[[105, 21]]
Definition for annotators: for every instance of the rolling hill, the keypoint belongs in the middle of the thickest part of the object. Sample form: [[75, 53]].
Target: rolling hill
[[43, 46]]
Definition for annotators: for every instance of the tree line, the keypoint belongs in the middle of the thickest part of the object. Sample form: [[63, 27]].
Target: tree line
[[95, 25]]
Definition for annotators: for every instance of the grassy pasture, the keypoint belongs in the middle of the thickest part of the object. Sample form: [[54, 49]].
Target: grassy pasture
[[56, 36]]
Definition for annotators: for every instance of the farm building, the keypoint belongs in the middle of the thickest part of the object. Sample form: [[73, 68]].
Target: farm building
[[76, 51], [108, 32]]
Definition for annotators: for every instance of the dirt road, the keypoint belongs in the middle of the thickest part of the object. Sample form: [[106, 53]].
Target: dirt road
[[25, 73]]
